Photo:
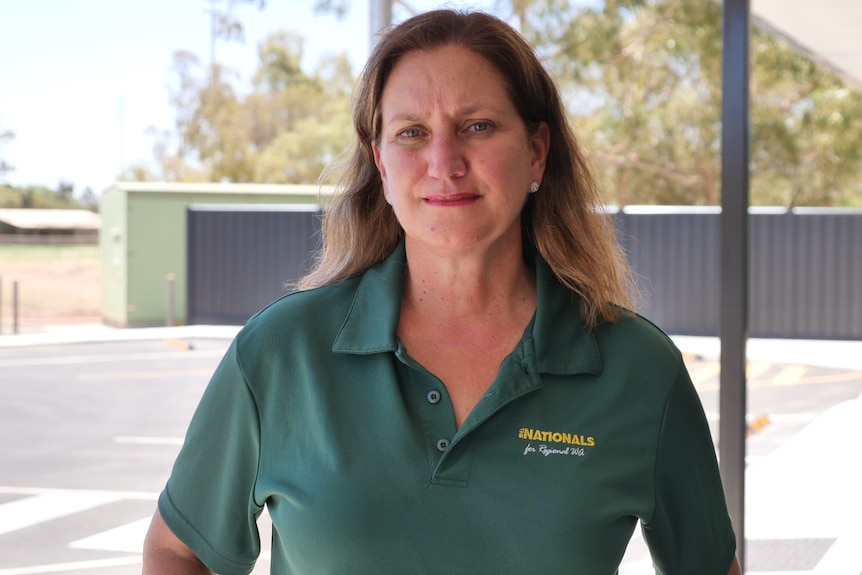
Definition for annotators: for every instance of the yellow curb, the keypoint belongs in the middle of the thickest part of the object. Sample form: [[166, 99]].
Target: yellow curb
[[757, 424], [178, 344]]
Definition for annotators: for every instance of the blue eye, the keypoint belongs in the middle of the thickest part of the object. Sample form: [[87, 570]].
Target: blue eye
[[481, 126], [410, 133]]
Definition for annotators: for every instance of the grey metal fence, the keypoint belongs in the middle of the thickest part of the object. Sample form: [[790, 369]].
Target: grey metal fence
[[240, 257], [805, 265], [805, 270]]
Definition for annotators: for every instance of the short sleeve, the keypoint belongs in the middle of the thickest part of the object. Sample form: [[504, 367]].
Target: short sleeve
[[209, 498], [690, 531]]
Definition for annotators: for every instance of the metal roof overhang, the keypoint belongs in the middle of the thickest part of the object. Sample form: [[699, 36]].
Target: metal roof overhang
[[50, 219], [827, 31]]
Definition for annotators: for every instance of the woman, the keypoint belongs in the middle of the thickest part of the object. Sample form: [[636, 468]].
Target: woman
[[458, 387]]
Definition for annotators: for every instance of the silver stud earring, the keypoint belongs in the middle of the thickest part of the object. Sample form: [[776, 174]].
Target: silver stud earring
[[534, 187]]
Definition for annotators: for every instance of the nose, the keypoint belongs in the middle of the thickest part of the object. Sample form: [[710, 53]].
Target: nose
[[446, 157]]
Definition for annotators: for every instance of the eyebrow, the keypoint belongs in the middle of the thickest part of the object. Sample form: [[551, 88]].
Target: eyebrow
[[465, 111]]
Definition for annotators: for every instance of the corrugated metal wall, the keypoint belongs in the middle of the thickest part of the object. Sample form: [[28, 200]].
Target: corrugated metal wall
[[241, 256], [805, 270], [805, 266]]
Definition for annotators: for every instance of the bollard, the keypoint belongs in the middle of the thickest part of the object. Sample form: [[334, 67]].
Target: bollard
[[169, 315], [15, 307]]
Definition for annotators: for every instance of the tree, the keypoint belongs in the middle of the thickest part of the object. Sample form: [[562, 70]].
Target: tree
[[300, 122], [644, 83], [39, 197], [284, 131], [225, 25], [642, 79], [5, 137]]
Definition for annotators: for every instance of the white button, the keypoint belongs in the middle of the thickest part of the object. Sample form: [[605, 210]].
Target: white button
[[442, 444], [433, 396]]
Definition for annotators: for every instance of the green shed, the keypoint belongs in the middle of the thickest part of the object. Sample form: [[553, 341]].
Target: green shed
[[143, 243]]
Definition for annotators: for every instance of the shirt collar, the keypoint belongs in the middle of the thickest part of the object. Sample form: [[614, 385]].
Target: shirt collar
[[561, 343], [371, 325]]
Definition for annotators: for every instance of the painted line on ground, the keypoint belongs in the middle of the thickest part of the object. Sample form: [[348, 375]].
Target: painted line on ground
[[123, 375], [116, 358], [73, 566], [128, 538], [17, 490], [35, 509], [127, 439]]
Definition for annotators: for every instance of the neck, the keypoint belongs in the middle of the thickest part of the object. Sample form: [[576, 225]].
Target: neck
[[468, 286]]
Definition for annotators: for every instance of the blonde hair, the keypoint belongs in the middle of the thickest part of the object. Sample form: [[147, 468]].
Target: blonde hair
[[563, 220]]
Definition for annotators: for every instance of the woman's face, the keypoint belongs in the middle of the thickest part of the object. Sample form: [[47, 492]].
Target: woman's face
[[454, 155]]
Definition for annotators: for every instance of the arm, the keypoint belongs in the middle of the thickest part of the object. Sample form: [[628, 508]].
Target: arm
[[734, 568], [165, 554]]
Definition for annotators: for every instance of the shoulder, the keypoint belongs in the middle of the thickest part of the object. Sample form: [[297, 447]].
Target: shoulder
[[636, 345], [308, 315], [635, 331]]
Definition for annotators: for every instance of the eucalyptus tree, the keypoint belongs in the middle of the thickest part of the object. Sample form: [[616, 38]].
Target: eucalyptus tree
[[643, 78]]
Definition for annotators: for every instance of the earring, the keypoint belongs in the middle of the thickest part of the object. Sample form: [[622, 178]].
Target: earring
[[534, 187]]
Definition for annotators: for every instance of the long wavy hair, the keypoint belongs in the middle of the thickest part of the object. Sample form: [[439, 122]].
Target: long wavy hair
[[564, 220]]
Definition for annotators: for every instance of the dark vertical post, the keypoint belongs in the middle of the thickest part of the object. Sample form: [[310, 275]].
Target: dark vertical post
[[734, 259], [170, 300], [15, 307]]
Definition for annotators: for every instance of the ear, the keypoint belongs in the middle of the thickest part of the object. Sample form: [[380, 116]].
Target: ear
[[540, 144], [380, 168], [377, 161]]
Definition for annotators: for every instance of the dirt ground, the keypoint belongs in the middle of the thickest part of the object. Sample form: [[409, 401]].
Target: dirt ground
[[56, 285]]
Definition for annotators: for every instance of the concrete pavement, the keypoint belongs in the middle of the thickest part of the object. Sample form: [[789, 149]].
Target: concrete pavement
[[803, 500]]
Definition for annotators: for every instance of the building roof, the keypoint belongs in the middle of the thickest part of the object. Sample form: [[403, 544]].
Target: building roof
[[222, 188], [36, 219], [827, 31]]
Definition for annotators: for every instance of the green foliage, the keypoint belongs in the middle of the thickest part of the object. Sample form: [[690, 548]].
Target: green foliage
[[644, 83], [225, 24], [45, 198], [284, 131], [642, 79]]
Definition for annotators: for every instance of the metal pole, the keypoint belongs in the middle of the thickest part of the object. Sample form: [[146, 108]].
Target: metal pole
[[15, 307], [169, 315], [379, 18], [734, 259]]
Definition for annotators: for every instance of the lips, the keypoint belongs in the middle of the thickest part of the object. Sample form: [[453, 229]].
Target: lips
[[451, 199]]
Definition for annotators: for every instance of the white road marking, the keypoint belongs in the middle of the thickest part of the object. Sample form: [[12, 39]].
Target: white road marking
[[152, 374], [36, 509], [116, 358], [792, 417], [126, 439], [73, 493], [72, 566], [805, 417], [128, 538]]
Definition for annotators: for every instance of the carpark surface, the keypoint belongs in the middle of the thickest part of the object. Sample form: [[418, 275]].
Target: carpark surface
[[88, 432]]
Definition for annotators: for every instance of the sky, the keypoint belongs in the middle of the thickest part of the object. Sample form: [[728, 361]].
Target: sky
[[81, 81]]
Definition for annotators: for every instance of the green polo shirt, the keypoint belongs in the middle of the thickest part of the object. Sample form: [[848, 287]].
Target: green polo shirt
[[318, 412]]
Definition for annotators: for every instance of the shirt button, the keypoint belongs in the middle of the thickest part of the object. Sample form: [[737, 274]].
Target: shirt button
[[433, 396], [442, 444]]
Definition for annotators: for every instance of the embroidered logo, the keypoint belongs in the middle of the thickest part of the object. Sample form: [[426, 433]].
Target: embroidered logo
[[565, 443]]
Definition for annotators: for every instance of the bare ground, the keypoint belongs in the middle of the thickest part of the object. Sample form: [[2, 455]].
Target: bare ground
[[55, 286]]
